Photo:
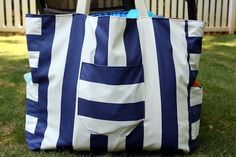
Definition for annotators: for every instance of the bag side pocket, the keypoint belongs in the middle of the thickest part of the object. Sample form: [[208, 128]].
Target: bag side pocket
[[32, 108], [196, 96]]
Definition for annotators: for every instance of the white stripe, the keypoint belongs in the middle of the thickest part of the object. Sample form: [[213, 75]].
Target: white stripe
[[111, 93], [196, 96], [56, 74], [116, 143], [195, 28], [195, 129], [107, 127], [33, 26], [194, 60], [153, 116], [30, 123], [90, 42], [32, 91], [81, 137], [33, 59], [116, 47], [180, 56]]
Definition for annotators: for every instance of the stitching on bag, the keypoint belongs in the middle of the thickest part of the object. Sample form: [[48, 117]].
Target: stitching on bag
[[103, 66]]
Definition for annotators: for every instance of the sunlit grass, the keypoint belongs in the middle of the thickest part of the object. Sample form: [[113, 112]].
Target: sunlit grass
[[13, 47], [211, 41], [217, 76]]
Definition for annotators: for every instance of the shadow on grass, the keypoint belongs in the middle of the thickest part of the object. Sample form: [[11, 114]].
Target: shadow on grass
[[67, 152], [217, 75], [12, 100]]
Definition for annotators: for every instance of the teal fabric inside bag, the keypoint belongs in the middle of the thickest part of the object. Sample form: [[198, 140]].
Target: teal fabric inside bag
[[133, 13]]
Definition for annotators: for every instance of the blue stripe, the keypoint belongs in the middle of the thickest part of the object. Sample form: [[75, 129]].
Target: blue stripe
[[167, 84], [70, 80], [33, 42], [134, 141], [109, 111], [32, 108], [194, 44], [32, 140], [194, 144], [195, 113], [191, 143], [98, 143], [48, 30], [132, 43], [102, 34], [193, 77], [34, 75], [112, 75]]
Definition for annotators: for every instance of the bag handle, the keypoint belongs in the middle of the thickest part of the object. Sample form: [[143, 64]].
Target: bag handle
[[192, 9], [83, 7]]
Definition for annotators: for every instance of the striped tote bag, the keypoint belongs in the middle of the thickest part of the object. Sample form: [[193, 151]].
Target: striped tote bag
[[113, 83]]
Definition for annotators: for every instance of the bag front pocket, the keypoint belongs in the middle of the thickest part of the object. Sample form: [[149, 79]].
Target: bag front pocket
[[111, 99]]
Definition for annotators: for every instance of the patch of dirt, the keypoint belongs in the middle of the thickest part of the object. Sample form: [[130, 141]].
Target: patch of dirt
[[6, 130], [6, 84]]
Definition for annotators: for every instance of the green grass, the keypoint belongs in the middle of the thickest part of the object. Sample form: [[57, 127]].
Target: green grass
[[217, 76]]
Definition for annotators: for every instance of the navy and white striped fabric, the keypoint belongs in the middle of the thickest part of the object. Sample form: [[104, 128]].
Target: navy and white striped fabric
[[113, 84]]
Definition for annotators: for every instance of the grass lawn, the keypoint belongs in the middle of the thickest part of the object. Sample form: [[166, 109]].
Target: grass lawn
[[217, 76]]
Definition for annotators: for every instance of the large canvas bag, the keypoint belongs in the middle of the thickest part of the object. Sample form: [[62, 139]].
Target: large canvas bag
[[112, 83]]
